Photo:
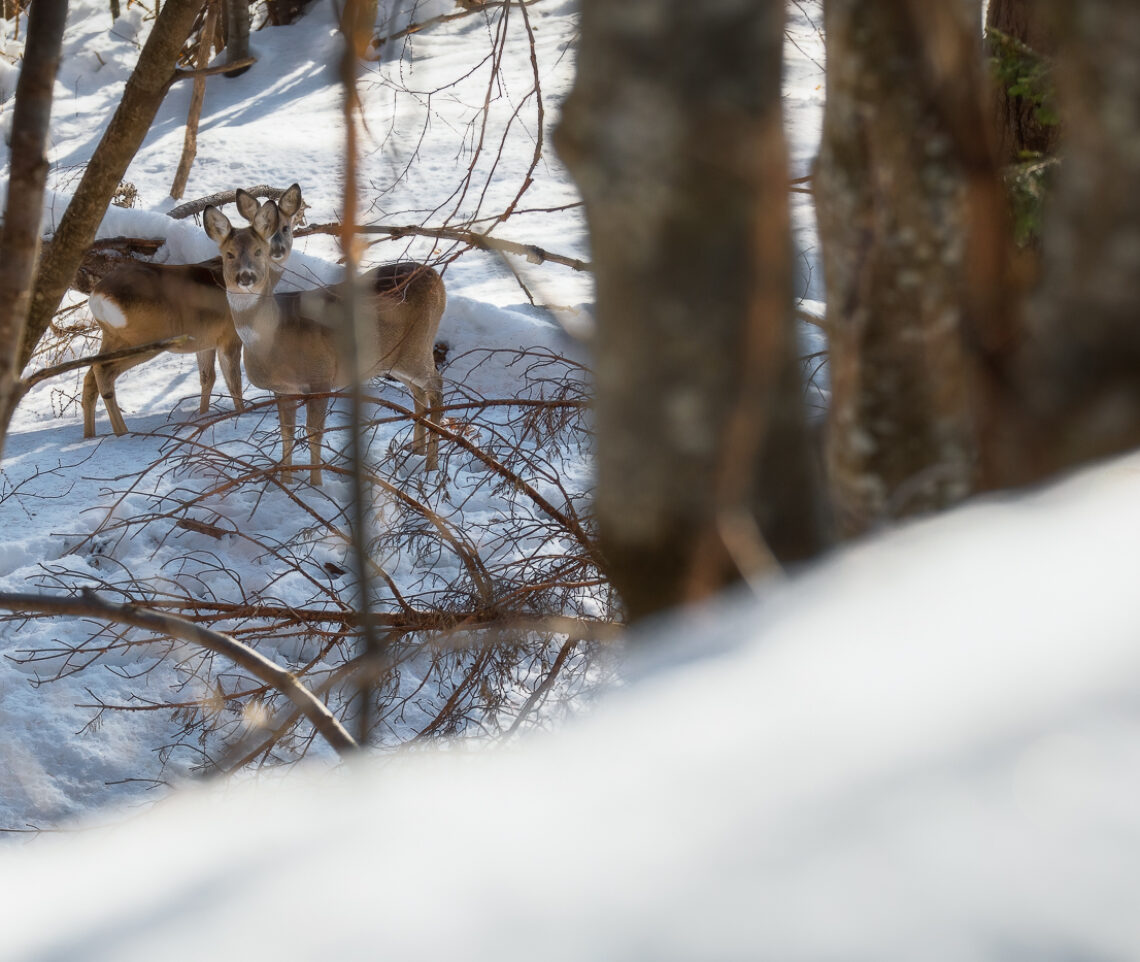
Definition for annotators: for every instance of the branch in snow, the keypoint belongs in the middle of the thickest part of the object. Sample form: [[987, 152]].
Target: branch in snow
[[191, 207], [91, 605]]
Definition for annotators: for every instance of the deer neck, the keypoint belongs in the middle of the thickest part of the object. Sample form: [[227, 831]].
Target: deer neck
[[257, 317]]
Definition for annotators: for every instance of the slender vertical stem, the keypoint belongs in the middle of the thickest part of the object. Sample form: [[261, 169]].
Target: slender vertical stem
[[190, 144], [355, 28]]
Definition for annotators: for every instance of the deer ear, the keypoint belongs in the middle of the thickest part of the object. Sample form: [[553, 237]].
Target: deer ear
[[265, 220], [218, 227], [290, 201], [246, 205]]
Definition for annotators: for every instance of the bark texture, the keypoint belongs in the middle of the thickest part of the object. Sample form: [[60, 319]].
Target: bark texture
[[144, 92], [1080, 374], [236, 20], [680, 158], [28, 166], [913, 239], [197, 98], [1018, 128]]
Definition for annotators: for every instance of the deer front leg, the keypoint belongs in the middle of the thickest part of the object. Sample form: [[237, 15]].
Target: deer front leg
[[230, 356], [315, 410], [287, 416], [206, 378]]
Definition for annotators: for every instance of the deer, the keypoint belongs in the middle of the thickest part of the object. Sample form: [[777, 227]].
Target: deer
[[293, 342], [140, 302]]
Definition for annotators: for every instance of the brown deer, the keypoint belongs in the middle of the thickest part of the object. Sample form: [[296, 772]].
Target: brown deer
[[140, 302], [294, 342]]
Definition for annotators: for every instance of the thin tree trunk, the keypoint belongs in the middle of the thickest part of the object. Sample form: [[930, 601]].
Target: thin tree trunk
[[28, 166], [142, 97], [236, 18], [190, 143], [701, 439]]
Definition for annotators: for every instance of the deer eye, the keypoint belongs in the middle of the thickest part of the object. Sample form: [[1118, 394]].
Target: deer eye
[[229, 255]]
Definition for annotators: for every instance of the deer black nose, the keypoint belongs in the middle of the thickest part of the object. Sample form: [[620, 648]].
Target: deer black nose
[[246, 278]]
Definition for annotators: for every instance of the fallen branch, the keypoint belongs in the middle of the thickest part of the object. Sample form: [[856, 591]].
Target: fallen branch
[[222, 197], [266, 671], [105, 255], [469, 7], [533, 253], [216, 69]]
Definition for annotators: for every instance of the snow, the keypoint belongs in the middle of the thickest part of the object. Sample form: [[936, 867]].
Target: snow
[[923, 747]]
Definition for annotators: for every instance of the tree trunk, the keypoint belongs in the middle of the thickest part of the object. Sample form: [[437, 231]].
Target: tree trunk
[[1019, 127], [235, 15], [914, 246], [1079, 375], [701, 439], [194, 115], [144, 92], [28, 166]]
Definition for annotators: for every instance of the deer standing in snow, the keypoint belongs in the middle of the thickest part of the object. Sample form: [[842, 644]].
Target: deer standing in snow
[[140, 302], [293, 342]]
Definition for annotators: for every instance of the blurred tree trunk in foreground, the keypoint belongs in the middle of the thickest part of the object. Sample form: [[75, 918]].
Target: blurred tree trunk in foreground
[[915, 247], [27, 176], [142, 97], [1079, 376], [680, 157]]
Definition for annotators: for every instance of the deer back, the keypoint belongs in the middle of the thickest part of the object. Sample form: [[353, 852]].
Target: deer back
[[407, 300], [140, 302]]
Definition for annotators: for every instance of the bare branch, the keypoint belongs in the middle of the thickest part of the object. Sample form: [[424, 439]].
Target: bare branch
[[56, 369], [533, 253], [91, 605]]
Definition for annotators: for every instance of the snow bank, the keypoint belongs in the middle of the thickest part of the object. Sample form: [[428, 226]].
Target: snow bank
[[925, 747]]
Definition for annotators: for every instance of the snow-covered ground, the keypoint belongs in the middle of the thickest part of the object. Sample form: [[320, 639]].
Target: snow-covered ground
[[924, 748]]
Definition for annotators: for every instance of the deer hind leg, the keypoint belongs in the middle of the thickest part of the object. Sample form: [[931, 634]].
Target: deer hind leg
[[90, 393], [428, 399], [315, 410], [207, 377], [287, 416], [230, 356], [105, 377]]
